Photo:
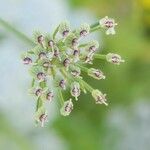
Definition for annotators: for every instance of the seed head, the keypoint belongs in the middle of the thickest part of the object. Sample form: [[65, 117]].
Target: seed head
[[62, 84], [50, 96], [38, 92], [83, 30], [114, 58], [59, 60], [75, 90], [27, 61], [64, 28], [99, 97], [109, 24], [96, 73], [66, 108]]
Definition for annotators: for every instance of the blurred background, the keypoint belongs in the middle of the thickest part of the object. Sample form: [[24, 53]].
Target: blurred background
[[124, 124]]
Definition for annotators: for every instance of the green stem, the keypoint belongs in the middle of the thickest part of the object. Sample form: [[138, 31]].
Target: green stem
[[60, 97], [63, 73], [86, 85], [39, 104], [83, 45], [42, 84], [33, 82], [55, 32], [95, 27], [83, 68], [15, 31], [100, 56]]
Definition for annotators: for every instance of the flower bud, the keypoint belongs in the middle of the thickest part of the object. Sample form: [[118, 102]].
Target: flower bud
[[40, 52], [109, 24], [71, 41], [95, 73], [27, 61], [99, 97], [50, 96], [76, 54], [114, 58], [38, 73], [50, 43], [75, 90], [26, 57], [64, 28], [42, 55], [41, 115], [66, 108], [75, 71], [40, 39], [83, 30], [38, 92], [74, 42], [46, 64], [41, 76], [56, 52], [62, 84], [89, 58], [92, 46], [43, 119], [66, 62]]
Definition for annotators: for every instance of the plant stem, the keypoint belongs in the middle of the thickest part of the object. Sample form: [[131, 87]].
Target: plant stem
[[15, 31], [55, 32], [100, 56], [60, 97], [83, 45], [86, 85], [39, 104], [95, 27], [83, 68]]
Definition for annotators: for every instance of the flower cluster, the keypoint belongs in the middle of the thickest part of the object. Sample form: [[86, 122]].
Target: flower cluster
[[57, 62]]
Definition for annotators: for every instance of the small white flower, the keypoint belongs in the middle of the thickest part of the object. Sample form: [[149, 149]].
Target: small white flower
[[71, 41], [109, 24], [75, 71], [41, 116], [46, 64], [51, 43], [89, 58], [50, 96], [92, 46], [84, 29], [38, 92], [66, 62], [62, 84], [27, 61], [66, 108], [75, 90], [99, 97], [96, 73], [41, 76], [76, 54], [43, 119], [114, 58], [64, 28], [40, 39]]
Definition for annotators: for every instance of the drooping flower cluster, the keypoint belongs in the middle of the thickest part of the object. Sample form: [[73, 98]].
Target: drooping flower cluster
[[58, 60]]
